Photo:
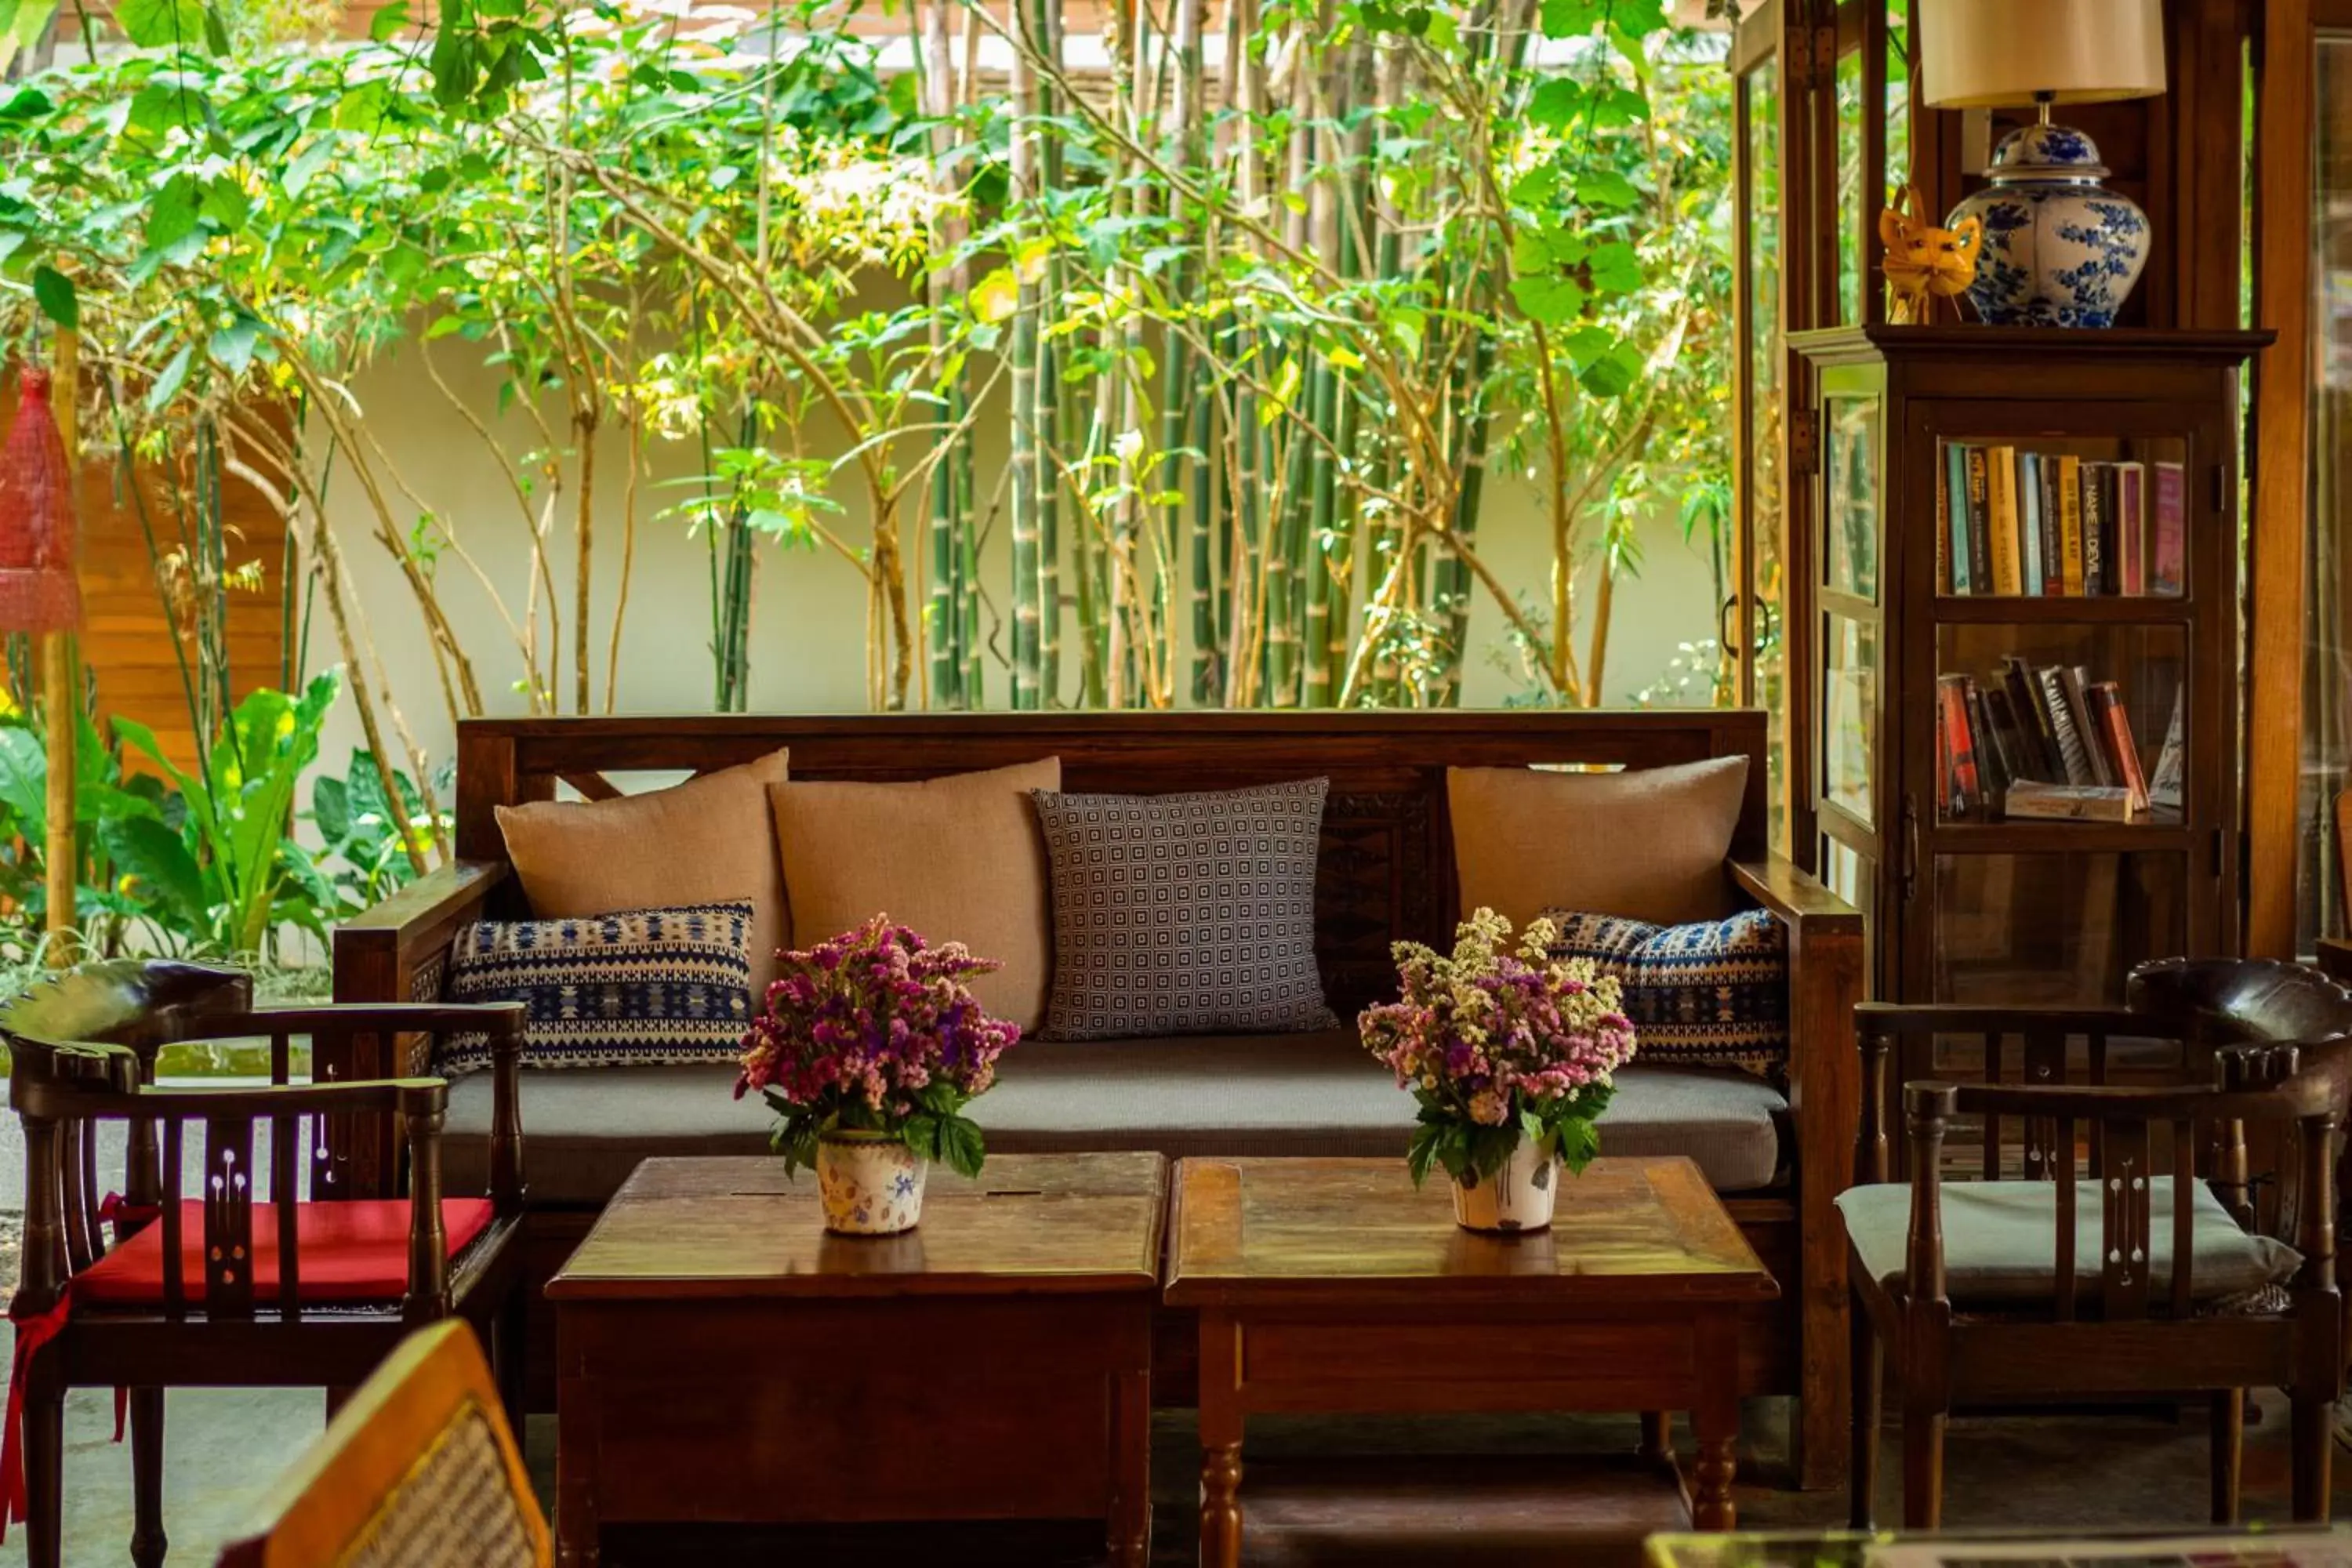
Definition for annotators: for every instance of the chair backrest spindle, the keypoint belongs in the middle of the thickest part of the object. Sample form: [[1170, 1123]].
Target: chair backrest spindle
[[228, 1216], [175, 1286]]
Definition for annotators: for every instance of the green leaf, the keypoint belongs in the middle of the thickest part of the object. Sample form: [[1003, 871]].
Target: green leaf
[[173, 219], [1557, 102], [961, 1146], [232, 345], [307, 163], [159, 859], [1608, 189], [1550, 300], [330, 808], [388, 21], [1579, 1140], [215, 31], [160, 23], [168, 382], [1616, 268], [54, 293]]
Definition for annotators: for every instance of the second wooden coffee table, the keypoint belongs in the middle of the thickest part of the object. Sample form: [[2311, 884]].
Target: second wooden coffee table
[[721, 1359], [1333, 1285]]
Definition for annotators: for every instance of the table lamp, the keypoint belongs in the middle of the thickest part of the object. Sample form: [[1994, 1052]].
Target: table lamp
[[2060, 249]]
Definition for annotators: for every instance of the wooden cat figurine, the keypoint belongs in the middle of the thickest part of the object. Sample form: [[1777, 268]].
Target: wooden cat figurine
[[1925, 263]]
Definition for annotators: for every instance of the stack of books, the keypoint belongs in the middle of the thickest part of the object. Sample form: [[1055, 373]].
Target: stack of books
[[2048, 743], [2045, 524]]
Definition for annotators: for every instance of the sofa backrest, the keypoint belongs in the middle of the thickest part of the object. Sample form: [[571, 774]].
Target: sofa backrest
[[1386, 869]]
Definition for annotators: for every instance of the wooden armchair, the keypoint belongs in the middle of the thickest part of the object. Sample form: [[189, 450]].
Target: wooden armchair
[[419, 1471], [2142, 1257], [146, 1288]]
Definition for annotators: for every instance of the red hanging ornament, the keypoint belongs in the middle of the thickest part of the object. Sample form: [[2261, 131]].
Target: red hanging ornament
[[39, 591]]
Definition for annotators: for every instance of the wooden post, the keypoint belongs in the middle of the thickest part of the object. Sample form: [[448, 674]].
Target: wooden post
[[59, 656]]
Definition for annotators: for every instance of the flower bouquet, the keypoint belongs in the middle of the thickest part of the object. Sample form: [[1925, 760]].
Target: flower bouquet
[[869, 1049], [1510, 1056]]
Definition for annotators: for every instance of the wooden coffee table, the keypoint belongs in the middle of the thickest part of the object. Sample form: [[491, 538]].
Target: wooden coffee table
[[721, 1359], [1332, 1285]]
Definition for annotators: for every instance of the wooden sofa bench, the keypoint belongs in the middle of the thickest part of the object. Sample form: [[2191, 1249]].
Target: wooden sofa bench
[[1780, 1153]]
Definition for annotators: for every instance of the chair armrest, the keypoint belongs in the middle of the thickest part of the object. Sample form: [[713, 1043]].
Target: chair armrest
[[1796, 895]]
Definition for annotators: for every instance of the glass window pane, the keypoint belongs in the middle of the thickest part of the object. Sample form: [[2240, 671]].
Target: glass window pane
[[1852, 182], [1851, 703], [1765, 415], [2059, 723], [2327, 648], [1899, 96], [2058, 930], [1851, 548]]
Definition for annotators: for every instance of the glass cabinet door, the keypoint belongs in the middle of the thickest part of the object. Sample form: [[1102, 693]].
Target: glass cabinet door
[[1755, 624]]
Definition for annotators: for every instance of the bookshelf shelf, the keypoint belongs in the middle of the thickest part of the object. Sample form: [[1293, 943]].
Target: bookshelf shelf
[[1989, 609], [1956, 727]]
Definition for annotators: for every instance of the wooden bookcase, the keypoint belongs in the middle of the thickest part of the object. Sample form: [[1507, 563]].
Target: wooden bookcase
[[1975, 906]]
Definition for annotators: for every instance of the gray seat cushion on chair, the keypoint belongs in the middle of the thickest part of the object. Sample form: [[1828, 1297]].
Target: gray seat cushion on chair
[[584, 1130], [2001, 1241]]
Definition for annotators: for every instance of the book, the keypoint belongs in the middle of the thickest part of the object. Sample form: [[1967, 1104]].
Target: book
[[2074, 803], [1978, 524], [2033, 718], [2053, 575], [2072, 680], [2070, 525], [2021, 751], [2029, 507], [2164, 785], [2095, 529], [2131, 528], [2168, 531], [1991, 767], [2008, 553], [1944, 584], [2073, 758], [1962, 785], [2113, 719], [1955, 545]]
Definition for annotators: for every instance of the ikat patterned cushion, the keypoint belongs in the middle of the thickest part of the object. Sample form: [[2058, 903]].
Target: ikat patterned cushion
[[1184, 914], [632, 989], [1715, 993]]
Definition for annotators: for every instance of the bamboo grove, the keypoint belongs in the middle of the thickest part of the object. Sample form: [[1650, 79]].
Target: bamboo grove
[[1163, 355]]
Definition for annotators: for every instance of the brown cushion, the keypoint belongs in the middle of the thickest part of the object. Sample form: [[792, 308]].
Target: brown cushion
[[957, 858], [1648, 843], [706, 841]]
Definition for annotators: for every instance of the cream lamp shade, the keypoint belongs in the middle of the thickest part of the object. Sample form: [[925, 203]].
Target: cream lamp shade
[[1984, 54]]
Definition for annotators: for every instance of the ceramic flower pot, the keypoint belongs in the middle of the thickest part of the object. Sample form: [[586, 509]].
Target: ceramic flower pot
[[1516, 1197], [871, 1184]]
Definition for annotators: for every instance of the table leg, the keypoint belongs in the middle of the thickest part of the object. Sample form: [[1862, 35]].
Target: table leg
[[577, 1534], [1715, 1423], [1131, 1502], [1221, 1441]]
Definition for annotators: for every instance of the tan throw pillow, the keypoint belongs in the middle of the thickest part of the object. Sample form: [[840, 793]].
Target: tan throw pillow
[[706, 841], [1647, 843], [957, 858]]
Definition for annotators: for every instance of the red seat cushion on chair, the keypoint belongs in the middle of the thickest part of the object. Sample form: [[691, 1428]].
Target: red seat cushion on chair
[[349, 1252]]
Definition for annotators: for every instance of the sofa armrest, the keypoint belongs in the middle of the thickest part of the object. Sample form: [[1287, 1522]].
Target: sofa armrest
[[1825, 982], [397, 952]]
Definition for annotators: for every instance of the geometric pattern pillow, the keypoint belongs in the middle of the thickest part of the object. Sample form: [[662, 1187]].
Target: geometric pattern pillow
[[1715, 993], [637, 988], [1184, 914]]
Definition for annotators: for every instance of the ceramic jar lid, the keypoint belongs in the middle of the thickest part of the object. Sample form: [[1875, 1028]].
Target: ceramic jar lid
[[2046, 152]]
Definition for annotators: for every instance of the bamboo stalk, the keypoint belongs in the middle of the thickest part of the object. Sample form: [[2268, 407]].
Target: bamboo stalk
[[1047, 418], [927, 24], [1022, 198], [61, 863]]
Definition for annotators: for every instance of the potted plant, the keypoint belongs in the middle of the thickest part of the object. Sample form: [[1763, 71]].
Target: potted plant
[[869, 1049], [1510, 1056]]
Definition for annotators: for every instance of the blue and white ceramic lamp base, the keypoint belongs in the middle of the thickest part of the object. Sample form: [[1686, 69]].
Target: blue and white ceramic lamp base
[[2060, 249]]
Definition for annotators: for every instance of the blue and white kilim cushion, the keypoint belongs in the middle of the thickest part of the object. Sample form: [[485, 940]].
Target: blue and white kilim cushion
[[632, 989], [1715, 992]]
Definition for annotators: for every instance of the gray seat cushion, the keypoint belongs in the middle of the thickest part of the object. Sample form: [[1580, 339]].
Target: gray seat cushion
[[2001, 1241], [584, 1130]]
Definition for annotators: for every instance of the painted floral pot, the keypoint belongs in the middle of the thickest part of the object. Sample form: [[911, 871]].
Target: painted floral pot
[[1516, 1197], [871, 1184], [2060, 249]]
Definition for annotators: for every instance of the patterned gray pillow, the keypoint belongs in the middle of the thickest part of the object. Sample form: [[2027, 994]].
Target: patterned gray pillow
[[1181, 914]]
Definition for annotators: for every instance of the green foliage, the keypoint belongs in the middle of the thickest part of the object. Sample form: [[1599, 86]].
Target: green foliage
[[936, 1129], [1445, 1139], [231, 872], [368, 839]]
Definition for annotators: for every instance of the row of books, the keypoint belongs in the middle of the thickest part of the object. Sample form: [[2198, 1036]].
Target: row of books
[[2044, 524], [2047, 743]]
